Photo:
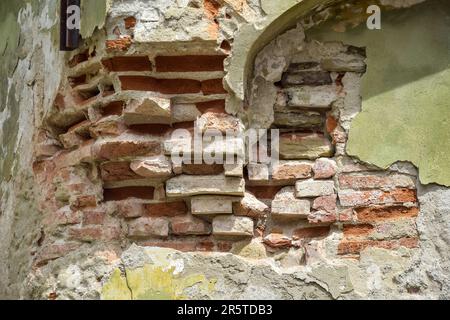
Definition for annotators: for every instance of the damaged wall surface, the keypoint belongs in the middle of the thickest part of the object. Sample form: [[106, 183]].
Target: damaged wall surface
[[98, 209]]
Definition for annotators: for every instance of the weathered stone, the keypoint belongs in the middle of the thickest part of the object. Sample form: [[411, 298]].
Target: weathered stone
[[185, 186], [344, 65], [287, 205], [107, 126], [311, 188], [130, 208], [147, 110], [189, 225], [231, 226], [148, 227], [304, 146], [234, 170], [219, 121], [211, 205], [153, 167], [303, 120], [185, 113], [258, 172], [290, 171], [113, 149], [306, 78], [324, 168], [250, 206], [320, 97]]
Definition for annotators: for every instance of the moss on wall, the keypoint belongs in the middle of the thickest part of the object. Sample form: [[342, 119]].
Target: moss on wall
[[406, 90]]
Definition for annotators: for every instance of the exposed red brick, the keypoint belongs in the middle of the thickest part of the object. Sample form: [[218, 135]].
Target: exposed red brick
[[114, 108], [203, 169], [355, 247], [95, 233], [225, 46], [111, 150], [325, 203], [189, 225], [346, 215], [214, 86], [357, 230], [130, 22], [153, 129], [85, 201], [63, 216], [93, 217], [128, 63], [130, 209], [284, 172], [211, 7], [217, 106], [324, 169], [79, 58], [374, 181], [264, 192], [382, 213], [168, 209], [277, 240], [76, 81], [128, 192], [374, 197], [119, 44], [117, 171], [308, 233], [322, 217], [165, 86], [189, 63], [331, 124], [148, 227]]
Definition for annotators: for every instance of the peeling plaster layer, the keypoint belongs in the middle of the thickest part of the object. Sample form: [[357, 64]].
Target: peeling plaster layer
[[406, 95], [93, 15], [30, 74]]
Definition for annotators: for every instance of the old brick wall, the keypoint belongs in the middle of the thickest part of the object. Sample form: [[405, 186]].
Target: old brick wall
[[107, 182]]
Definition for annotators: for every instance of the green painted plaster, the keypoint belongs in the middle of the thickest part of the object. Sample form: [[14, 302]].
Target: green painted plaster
[[153, 282], [406, 90], [93, 15]]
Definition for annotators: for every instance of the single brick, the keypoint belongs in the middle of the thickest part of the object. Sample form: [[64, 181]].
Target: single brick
[[128, 63], [189, 63], [313, 188], [350, 198], [189, 225], [324, 168], [164, 86], [382, 213], [167, 209], [149, 227], [128, 192], [232, 226]]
